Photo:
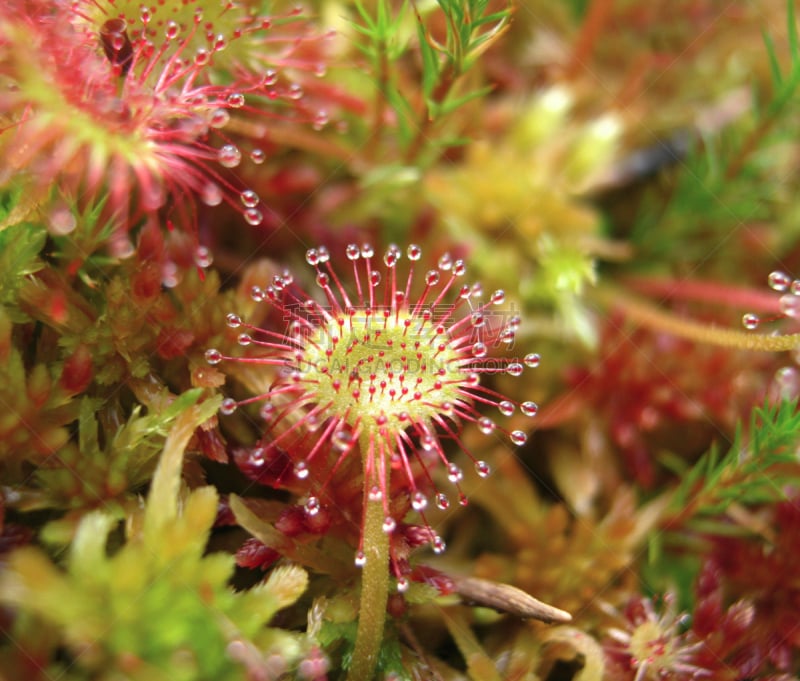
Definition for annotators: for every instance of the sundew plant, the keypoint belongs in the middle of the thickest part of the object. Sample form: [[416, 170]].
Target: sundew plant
[[354, 341]]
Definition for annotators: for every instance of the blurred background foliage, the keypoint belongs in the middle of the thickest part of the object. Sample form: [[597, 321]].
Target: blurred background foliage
[[624, 170]]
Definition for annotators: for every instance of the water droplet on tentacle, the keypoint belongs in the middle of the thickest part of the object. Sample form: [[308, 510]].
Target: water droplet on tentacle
[[779, 281], [750, 321], [790, 305], [519, 437], [229, 156]]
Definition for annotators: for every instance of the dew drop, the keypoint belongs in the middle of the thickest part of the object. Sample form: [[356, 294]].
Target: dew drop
[[479, 350], [532, 360], [428, 442], [483, 469], [389, 525], [750, 321], [202, 57], [414, 252], [301, 470], [486, 425], [253, 217], [432, 278], [454, 473], [249, 198], [295, 91], [375, 493], [442, 502], [213, 356], [219, 118], [459, 268], [321, 119], [374, 278], [312, 257], [391, 257], [172, 30], [322, 279], [220, 43], [360, 559], [790, 305], [507, 336], [256, 457], [229, 156], [312, 506], [257, 294], [169, 277], [529, 408], [267, 411], [419, 501], [794, 289], [402, 585], [312, 423], [352, 252], [270, 78], [498, 297], [787, 382], [462, 499], [342, 440], [258, 156], [438, 545], [244, 339], [445, 262], [779, 281], [235, 100], [211, 194], [514, 369], [519, 437], [506, 407], [478, 319], [203, 257], [228, 406]]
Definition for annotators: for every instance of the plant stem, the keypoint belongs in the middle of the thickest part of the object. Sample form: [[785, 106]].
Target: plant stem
[[374, 586], [654, 318], [381, 89], [594, 24]]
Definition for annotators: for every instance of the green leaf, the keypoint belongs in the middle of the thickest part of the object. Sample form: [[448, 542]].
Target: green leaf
[[775, 67], [20, 246], [794, 40], [751, 473]]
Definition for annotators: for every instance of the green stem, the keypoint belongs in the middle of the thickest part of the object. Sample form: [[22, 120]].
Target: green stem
[[374, 588]]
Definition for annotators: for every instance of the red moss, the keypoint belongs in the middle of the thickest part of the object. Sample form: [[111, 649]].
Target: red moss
[[78, 370], [748, 598], [173, 343], [650, 391], [255, 555]]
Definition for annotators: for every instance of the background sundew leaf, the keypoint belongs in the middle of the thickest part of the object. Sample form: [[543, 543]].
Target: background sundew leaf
[[546, 342]]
